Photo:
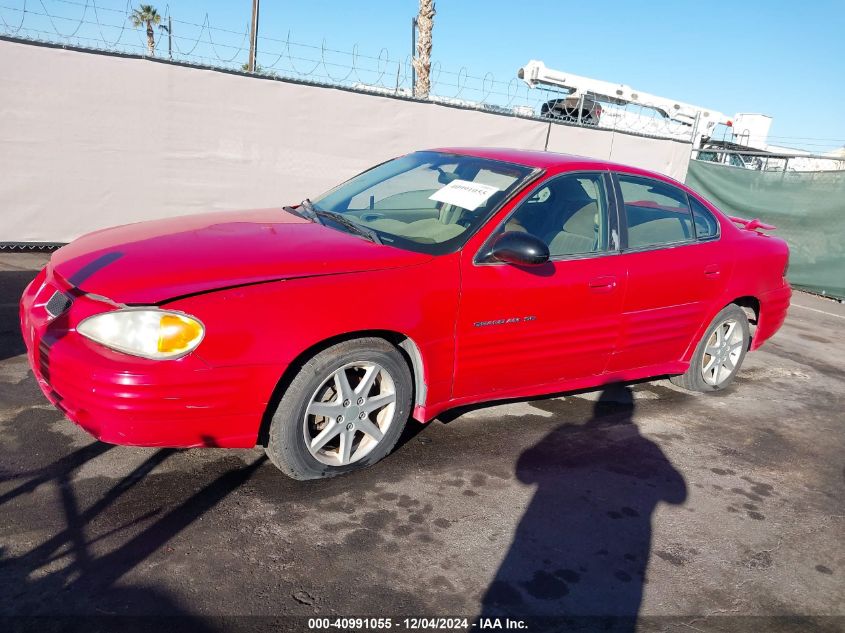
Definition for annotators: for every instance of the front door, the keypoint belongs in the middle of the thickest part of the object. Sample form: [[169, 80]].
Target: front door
[[520, 327]]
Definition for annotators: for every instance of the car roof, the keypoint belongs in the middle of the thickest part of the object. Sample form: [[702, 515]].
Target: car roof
[[550, 160]]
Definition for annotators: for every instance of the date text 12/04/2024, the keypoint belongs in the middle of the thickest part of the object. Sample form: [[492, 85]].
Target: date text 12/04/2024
[[416, 624]]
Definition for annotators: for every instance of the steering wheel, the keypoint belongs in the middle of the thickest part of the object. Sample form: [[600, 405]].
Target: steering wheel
[[467, 218]]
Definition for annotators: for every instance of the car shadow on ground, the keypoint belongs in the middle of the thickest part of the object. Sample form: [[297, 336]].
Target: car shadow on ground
[[580, 553]]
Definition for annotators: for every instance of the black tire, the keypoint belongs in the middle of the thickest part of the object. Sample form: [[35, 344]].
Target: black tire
[[286, 446], [693, 378]]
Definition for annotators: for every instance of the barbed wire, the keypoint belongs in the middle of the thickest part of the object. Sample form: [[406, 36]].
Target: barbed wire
[[88, 24], [122, 28], [7, 27]]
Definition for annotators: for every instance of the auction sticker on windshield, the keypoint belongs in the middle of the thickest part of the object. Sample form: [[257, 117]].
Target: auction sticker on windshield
[[465, 194]]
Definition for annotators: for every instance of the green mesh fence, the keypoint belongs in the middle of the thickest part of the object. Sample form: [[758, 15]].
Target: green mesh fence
[[807, 207]]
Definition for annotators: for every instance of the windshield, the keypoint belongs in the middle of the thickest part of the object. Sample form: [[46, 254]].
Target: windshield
[[430, 202]]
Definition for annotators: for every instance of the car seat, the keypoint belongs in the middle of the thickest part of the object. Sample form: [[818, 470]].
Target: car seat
[[579, 232], [661, 231]]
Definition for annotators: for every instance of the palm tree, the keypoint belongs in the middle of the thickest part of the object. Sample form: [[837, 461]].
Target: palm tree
[[422, 61], [146, 14]]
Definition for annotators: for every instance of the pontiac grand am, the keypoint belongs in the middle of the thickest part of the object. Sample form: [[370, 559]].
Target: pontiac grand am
[[437, 279]]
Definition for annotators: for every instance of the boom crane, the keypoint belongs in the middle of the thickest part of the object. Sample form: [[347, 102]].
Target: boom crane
[[701, 120]]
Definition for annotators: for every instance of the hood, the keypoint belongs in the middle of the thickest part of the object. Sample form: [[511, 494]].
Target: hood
[[151, 262]]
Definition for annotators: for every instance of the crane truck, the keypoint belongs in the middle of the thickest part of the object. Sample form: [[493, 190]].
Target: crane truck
[[582, 98]]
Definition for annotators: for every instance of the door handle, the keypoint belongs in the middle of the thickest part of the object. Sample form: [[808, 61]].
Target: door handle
[[603, 284], [712, 271]]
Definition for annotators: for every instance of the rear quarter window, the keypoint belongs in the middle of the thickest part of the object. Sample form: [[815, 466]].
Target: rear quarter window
[[706, 225]]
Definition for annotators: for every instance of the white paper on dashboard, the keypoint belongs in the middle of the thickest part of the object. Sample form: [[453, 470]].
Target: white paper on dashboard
[[465, 194]]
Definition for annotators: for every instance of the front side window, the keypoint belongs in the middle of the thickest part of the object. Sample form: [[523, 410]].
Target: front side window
[[657, 213], [569, 213], [429, 202]]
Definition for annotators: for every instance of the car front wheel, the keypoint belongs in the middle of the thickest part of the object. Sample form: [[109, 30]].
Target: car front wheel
[[344, 410], [719, 354]]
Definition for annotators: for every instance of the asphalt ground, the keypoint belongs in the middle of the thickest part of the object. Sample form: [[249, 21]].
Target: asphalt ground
[[639, 507]]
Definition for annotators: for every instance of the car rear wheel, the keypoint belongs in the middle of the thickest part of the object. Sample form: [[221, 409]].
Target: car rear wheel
[[344, 410], [719, 354]]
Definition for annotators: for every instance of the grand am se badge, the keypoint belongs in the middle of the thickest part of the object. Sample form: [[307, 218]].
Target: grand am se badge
[[505, 321]]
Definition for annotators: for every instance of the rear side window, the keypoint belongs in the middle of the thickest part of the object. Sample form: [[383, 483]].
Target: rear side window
[[657, 213], [706, 226]]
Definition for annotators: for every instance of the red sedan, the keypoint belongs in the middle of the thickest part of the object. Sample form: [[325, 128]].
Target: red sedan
[[437, 279]]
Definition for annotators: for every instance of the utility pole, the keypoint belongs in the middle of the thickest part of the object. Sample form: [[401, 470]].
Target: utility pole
[[169, 29], [253, 38], [413, 52]]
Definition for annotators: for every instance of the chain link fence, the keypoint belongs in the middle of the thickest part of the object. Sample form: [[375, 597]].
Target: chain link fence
[[750, 158], [93, 25]]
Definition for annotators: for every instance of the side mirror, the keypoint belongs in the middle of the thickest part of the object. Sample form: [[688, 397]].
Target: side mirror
[[521, 249]]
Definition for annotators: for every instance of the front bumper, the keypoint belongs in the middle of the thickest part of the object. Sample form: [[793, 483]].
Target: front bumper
[[124, 399]]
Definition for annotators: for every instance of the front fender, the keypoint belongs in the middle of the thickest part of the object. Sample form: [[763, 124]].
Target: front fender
[[275, 323]]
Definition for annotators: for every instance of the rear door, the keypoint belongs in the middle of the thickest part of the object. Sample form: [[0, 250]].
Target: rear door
[[674, 273], [520, 327]]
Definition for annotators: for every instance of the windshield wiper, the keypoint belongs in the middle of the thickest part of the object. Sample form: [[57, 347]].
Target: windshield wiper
[[305, 210], [356, 228]]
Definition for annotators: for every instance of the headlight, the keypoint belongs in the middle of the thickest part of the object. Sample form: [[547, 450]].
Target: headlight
[[151, 333]]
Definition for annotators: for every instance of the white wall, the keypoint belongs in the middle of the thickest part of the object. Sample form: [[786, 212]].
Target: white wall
[[90, 140]]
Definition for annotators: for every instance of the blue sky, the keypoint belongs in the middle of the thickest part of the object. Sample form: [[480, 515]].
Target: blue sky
[[779, 58]]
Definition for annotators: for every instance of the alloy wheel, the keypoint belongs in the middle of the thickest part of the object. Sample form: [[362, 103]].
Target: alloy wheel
[[349, 413], [722, 352]]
